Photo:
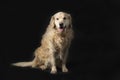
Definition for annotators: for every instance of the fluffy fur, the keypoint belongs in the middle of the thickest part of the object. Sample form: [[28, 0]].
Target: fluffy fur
[[55, 44]]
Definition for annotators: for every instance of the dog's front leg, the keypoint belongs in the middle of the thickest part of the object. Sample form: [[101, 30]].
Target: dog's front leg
[[53, 64], [64, 60], [52, 58]]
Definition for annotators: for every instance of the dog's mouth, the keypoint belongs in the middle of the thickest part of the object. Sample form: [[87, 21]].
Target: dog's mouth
[[62, 28]]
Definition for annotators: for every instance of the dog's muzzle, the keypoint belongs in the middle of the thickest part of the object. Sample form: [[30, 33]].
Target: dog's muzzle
[[61, 27]]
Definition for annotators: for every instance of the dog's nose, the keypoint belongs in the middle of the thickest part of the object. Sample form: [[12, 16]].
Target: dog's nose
[[61, 24]]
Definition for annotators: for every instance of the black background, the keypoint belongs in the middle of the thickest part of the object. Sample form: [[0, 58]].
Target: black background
[[94, 52]]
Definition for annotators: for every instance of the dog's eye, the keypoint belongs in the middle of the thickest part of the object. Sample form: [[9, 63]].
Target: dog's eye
[[64, 18], [57, 18]]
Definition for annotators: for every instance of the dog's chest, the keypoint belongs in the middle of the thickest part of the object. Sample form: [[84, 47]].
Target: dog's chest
[[59, 42]]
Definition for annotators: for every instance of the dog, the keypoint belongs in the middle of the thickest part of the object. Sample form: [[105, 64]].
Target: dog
[[55, 44]]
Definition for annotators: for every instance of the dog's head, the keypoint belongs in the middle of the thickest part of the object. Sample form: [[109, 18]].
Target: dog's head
[[61, 21]]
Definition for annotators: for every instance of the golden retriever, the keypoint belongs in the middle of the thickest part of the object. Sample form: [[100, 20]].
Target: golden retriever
[[55, 45]]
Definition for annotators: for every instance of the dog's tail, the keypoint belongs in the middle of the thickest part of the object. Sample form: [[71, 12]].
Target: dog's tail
[[23, 64]]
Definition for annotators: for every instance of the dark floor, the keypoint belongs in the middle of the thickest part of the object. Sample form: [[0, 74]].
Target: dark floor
[[78, 71]]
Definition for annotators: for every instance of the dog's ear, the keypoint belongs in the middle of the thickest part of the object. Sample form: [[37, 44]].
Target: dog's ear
[[70, 18], [52, 22]]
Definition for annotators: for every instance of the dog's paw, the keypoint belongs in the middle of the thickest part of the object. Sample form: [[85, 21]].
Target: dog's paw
[[64, 69], [53, 71], [43, 67]]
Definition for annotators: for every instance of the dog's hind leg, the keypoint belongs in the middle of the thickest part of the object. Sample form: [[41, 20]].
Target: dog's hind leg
[[35, 62]]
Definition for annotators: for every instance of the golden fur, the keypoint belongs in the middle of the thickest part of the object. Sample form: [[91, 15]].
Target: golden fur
[[55, 44]]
